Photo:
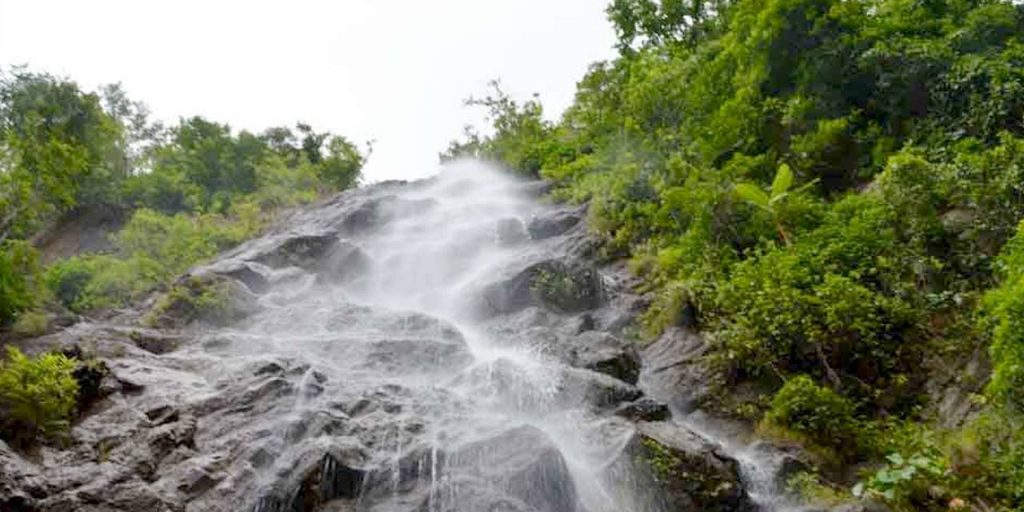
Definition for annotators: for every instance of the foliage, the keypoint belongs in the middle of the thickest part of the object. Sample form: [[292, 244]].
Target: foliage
[[191, 299], [809, 488], [188, 191], [823, 187], [19, 271], [901, 479], [1005, 310], [30, 323], [817, 412], [37, 395]]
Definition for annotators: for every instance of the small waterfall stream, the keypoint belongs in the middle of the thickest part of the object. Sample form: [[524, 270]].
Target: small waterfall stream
[[469, 419]]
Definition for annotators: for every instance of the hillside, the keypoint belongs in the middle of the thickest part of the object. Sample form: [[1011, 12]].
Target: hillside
[[830, 193]]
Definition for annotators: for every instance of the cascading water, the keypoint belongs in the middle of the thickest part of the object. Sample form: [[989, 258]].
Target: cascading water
[[438, 346], [468, 417]]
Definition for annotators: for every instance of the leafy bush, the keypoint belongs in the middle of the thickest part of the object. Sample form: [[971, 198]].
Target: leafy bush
[[19, 272], [816, 412], [30, 323], [903, 482], [1004, 312], [192, 299], [37, 395]]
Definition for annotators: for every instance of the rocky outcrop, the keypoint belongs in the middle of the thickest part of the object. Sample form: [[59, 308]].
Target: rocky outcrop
[[561, 286], [684, 471], [519, 465], [554, 223], [675, 366], [206, 298]]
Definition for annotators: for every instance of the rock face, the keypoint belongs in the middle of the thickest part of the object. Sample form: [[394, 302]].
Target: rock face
[[674, 363], [685, 472], [403, 347], [561, 286]]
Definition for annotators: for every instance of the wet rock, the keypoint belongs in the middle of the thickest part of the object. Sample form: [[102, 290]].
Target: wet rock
[[320, 474], [164, 439], [418, 355], [644, 409], [203, 298], [586, 323], [686, 472], [523, 464], [621, 363], [788, 460], [243, 272], [376, 212], [92, 376], [556, 284], [597, 389], [345, 262], [554, 224], [511, 232], [198, 481], [162, 414], [302, 250], [20, 484], [155, 341], [675, 369]]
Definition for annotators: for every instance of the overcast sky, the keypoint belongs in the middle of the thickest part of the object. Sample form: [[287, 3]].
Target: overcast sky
[[394, 71]]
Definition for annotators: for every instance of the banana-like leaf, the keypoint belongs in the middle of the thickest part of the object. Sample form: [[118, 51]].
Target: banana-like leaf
[[754, 195], [783, 180]]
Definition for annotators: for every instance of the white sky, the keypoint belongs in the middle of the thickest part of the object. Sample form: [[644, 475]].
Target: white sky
[[391, 70]]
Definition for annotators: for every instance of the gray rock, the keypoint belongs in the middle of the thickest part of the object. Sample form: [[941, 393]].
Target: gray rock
[[377, 212], [511, 232], [675, 370], [683, 471], [523, 464], [554, 224], [301, 250], [644, 409], [556, 284]]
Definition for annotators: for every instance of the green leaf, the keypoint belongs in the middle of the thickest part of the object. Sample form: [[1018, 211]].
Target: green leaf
[[783, 180], [754, 195]]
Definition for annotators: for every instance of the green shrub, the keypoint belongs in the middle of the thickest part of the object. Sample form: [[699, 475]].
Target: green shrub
[[819, 413], [19, 275], [809, 488], [37, 395], [1003, 310], [904, 481], [192, 299], [30, 323]]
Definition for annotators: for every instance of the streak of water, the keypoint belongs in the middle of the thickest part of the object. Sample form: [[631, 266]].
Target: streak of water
[[468, 420]]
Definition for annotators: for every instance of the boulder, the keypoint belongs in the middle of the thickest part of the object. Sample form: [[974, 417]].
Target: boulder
[[345, 262], [554, 224], [623, 363], [376, 212], [205, 298], [243, 272], [644, 409], [523, 464], [685, 472], [300, 250], [675, 369], [511, 232], [558, 285], [316, 476]]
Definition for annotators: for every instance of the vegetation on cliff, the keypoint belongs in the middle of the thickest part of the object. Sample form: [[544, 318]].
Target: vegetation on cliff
[[183, 193], [835, 188]]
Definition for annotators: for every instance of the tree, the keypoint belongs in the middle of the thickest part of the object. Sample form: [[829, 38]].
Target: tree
[[54, 139]]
